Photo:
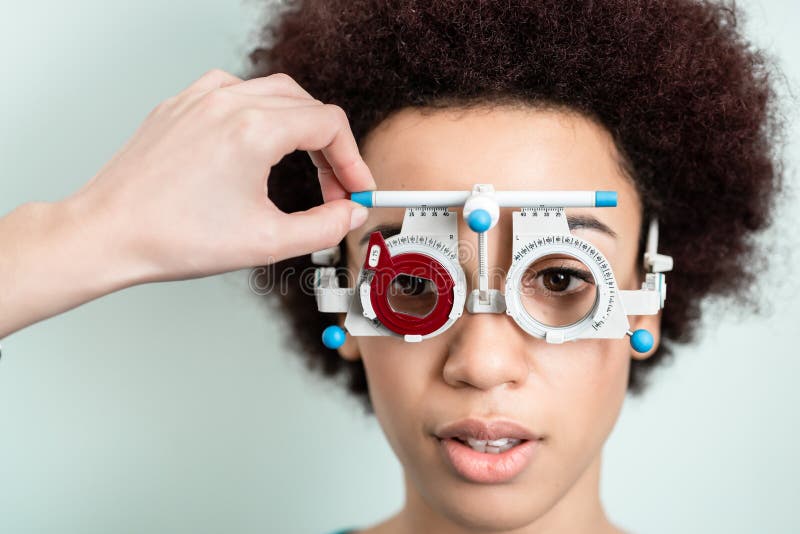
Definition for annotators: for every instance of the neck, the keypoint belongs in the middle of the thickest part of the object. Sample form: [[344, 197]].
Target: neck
[[578, 511]]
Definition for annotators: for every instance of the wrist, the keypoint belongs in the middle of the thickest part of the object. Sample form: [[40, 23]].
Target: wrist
[[57, 255], [103, 242]]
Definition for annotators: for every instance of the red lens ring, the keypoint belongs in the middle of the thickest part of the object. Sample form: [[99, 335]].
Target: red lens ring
[[423, 266]]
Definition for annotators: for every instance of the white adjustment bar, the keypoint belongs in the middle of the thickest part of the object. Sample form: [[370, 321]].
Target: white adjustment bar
[[504, 199]]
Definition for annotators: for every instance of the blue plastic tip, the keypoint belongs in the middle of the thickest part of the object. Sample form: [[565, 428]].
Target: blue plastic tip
[[362, 197], [333, 337], [605, 199], [642, 340], [479, 221]]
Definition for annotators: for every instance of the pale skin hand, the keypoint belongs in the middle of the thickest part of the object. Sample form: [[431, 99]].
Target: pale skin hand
[[184, 198]]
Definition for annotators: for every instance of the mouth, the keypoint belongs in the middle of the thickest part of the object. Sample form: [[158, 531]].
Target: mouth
[[487, 452], [488, 431], [495, 446]]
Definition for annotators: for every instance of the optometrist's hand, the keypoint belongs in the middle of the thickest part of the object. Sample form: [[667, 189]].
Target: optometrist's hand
[[184, 198]]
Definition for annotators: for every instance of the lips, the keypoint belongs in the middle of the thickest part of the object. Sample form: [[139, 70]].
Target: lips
[[485, 467], [485, 430], [488, 468]]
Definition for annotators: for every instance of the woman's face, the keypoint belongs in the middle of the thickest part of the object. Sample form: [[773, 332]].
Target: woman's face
[[485, 366]]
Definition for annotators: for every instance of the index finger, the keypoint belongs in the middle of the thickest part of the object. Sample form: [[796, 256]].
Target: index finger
[[284, 85], [325, 128]]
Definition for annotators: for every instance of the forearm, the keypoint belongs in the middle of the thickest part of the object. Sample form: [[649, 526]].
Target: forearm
[[55, 256]]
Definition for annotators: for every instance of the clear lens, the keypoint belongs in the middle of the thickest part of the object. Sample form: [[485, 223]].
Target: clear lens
[[412, 295], [558, 290]]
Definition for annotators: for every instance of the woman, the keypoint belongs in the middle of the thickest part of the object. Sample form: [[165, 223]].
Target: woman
[[663, 102]]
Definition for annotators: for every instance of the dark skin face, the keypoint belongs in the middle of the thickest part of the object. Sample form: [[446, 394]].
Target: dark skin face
[[485, 366]]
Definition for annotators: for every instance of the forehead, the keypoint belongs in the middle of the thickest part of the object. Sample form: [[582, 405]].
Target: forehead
[[516, 147], [511, 147]]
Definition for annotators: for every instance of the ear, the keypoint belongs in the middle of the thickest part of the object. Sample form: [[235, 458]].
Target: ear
[[349, 350], [651, 323]]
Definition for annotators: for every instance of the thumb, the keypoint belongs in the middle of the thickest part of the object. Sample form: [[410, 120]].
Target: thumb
[[317, 228]]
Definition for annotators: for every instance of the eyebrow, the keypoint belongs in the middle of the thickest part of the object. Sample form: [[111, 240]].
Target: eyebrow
[[590, 222], [573, 221]]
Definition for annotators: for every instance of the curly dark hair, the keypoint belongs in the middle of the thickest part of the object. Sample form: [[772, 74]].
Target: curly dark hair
[[687, 99]]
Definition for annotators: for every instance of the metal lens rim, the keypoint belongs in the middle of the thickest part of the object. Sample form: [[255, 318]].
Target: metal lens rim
[[516, 309]]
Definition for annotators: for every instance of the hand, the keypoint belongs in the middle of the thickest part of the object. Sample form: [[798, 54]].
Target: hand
[[186, 196]]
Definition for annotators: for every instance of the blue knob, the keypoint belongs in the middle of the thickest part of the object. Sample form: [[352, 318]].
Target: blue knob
[[479, 221], [605, 199], [642, 340], [362, 197], [333, 337]]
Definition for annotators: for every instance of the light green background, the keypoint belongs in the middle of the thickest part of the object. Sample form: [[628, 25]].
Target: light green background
[[173, 408]]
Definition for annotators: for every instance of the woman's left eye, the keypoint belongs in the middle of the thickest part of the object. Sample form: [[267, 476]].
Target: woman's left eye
[[562, 281]]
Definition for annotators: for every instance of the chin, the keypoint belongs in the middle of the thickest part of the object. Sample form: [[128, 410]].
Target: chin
[[491, 508]]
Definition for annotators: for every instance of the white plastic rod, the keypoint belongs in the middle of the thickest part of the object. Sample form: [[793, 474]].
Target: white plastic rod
[[504, 199]]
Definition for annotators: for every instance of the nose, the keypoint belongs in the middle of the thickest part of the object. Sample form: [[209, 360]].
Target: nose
[[486, 351]]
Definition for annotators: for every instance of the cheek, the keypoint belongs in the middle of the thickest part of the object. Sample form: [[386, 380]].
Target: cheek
[[586, 381], [400, 377]]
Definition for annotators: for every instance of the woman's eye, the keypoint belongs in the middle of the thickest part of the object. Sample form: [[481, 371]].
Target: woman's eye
[[411, 286], [556, 281], [560, 281]]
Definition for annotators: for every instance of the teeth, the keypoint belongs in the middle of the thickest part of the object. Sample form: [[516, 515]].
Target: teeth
[[493, 446]]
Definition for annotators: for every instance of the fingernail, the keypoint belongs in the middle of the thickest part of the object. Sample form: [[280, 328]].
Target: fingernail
[[358, 216]]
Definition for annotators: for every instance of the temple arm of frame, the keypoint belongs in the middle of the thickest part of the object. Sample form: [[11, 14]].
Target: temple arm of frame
[[330, 297], [653, 261], [640, 302]]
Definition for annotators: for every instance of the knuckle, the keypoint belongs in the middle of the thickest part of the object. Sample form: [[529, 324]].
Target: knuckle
[[214, 74], [162, 107], [336, 111], [247, 126], [283, 80], [169, 107], [282, 77], [338, 115], [214, 101]]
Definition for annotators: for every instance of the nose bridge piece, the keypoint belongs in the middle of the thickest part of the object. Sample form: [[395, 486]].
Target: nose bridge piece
[[481, 211]]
